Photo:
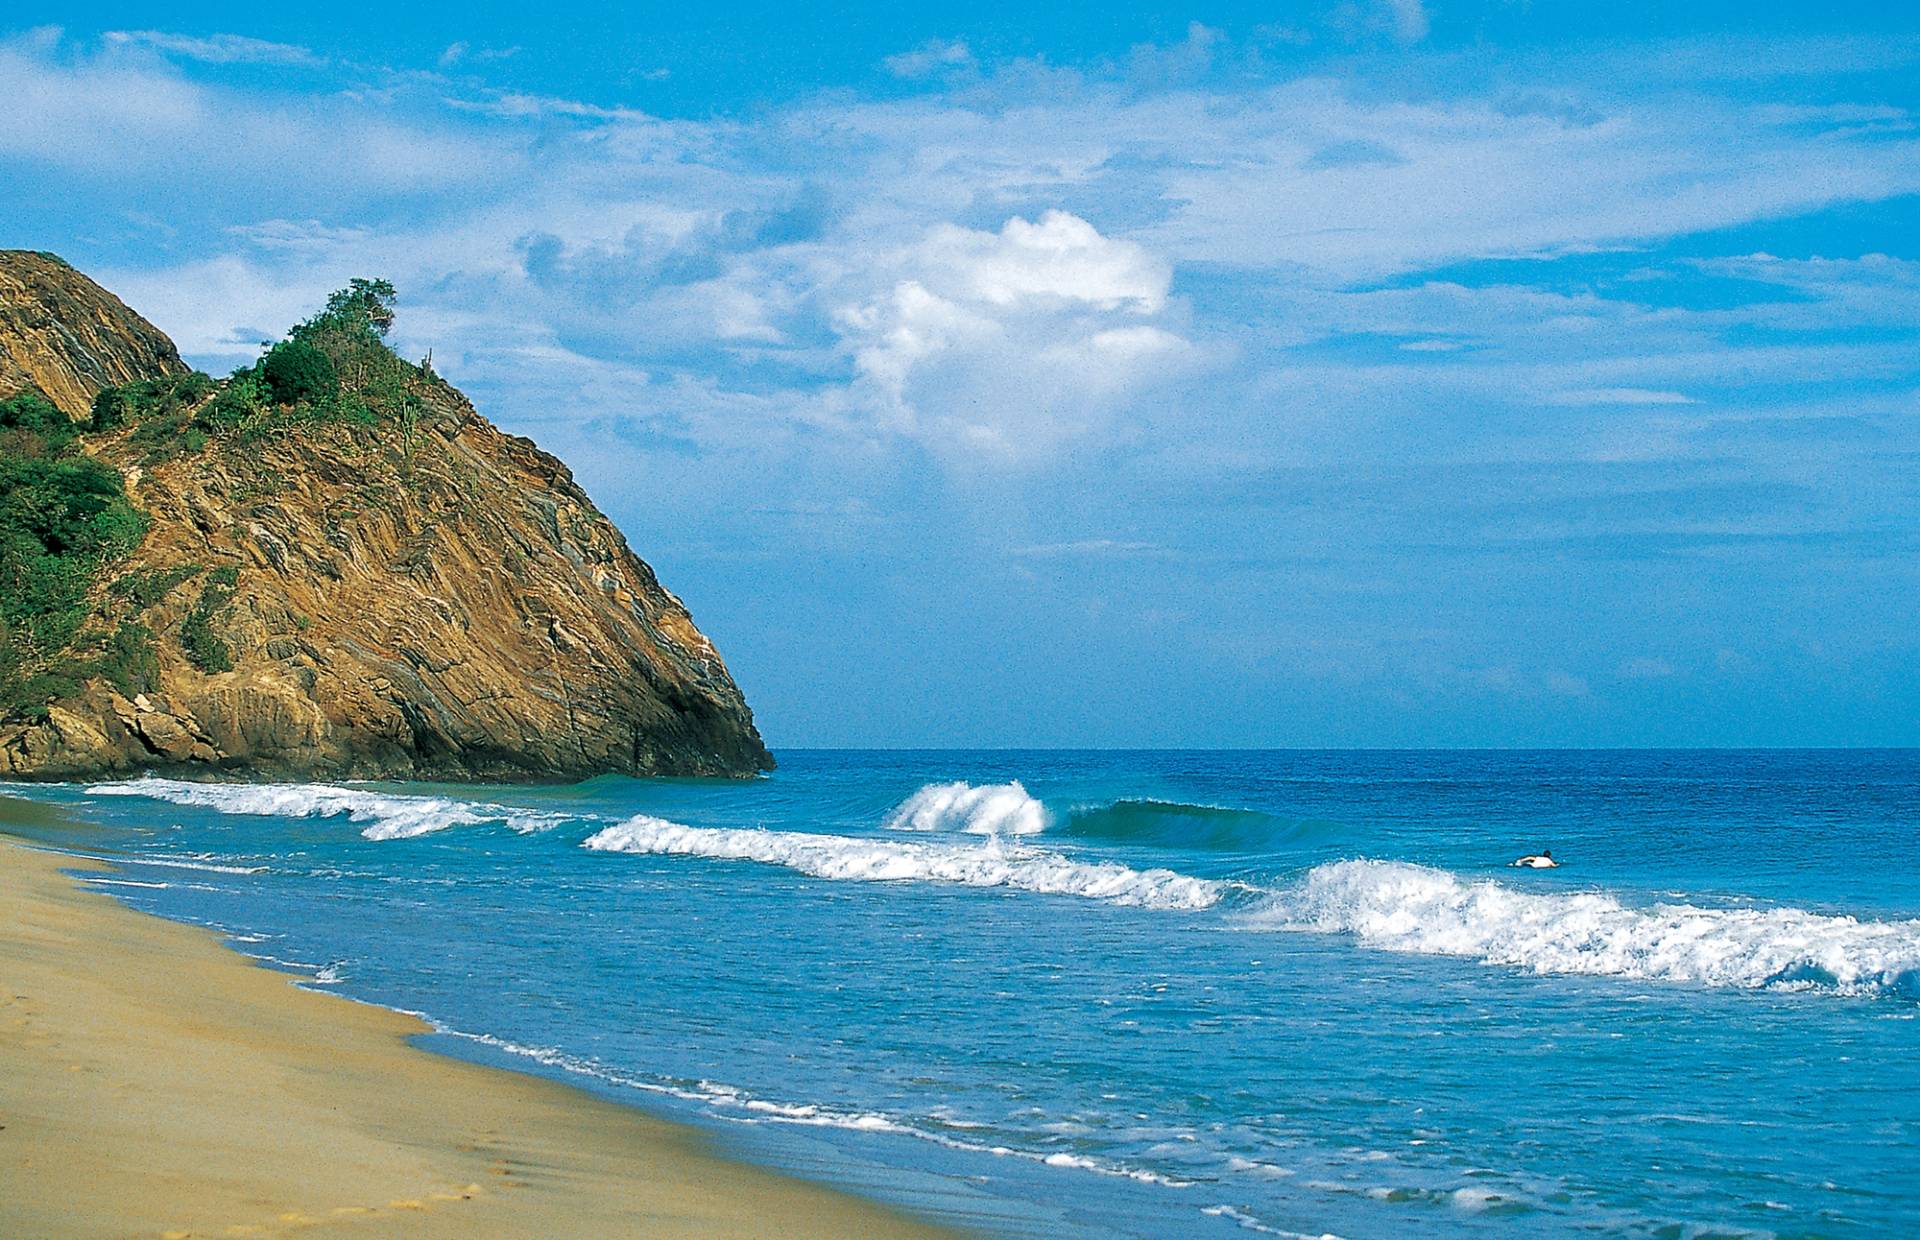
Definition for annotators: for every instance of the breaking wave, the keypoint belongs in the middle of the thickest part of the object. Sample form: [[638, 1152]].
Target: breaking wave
[[382, 815], [991, 863], [1401, 907], [1009, 809], [977, 809]]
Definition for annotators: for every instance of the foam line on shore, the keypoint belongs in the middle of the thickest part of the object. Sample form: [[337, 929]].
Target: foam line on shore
[[380, 815], [739, 1106]]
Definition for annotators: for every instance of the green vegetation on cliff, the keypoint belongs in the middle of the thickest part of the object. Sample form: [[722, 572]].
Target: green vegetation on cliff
[[66, 518], [335, 368], [63, 518], [205, 648]]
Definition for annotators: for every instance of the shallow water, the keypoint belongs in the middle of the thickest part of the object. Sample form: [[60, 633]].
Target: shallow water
[[1115, 994]]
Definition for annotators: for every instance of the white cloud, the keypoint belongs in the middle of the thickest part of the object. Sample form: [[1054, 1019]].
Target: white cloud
[[1059, 258], [933, 56], [1618, 396], [219, 49], [523, 106], [1010, 344], [462, 52], [138, 125], [1100, 548], [1476, 178], [1565, 685], [1410, 22]]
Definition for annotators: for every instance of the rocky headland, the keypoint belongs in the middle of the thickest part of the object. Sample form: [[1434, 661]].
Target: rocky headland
[[328, 565]]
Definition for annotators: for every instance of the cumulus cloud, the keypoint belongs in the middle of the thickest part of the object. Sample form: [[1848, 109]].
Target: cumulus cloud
[[1059, 258], [1010, 343]]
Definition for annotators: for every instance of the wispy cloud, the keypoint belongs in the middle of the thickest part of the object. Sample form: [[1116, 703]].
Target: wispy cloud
[[933, 56], [218, 49], [461, 52], [137, 125], [1410, 23], [1618, 396], [1102, 548], [523, 106]]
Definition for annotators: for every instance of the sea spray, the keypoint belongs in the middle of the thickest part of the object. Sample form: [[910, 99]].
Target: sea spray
[[983, 809]]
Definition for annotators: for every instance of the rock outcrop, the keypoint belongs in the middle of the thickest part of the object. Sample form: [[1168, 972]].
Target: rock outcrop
[[436, 600], [65, 337]]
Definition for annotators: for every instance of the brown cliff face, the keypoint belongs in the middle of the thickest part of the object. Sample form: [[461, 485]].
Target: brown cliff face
[[66, 337], [437, 601]]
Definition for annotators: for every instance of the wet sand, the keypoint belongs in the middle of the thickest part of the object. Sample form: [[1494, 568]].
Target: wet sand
[[155, 1083]]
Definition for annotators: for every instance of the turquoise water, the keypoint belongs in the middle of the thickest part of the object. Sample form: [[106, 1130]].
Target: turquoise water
[[1154, 994]]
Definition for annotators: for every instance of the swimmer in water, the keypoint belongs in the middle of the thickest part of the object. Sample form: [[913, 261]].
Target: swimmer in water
[[1542, 860]]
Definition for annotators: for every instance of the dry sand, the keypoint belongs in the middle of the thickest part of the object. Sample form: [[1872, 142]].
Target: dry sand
[[154, 1083]]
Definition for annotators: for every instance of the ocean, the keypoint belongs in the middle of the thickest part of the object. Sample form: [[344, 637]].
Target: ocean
[[1105, 994]]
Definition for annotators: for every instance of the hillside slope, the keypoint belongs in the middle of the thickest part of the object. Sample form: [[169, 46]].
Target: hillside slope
[[66, 337], [379, 587]]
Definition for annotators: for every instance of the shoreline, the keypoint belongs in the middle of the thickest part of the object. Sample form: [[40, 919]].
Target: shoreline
[[155, 1082]]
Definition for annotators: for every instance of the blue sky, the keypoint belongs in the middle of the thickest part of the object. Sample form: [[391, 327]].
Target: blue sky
[[1365, 372]]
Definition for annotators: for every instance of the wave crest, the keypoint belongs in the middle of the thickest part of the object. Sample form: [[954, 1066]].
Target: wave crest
[[982, 809], [384, 815], [991, 863], [1396, 906]]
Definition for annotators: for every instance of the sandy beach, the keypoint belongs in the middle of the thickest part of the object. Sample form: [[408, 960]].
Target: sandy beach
[[155, 1083]]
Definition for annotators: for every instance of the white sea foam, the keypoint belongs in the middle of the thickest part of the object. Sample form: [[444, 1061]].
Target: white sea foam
[[1411, 908], [991, 863], [983, 809], [739, 1106], [209, 867], [1248, 1222], [383, 815]]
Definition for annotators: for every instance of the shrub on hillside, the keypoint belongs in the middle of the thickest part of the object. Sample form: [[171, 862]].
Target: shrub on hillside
[[62, 519], [206, 649], [295, 372], [30, 414], [147, 399]]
